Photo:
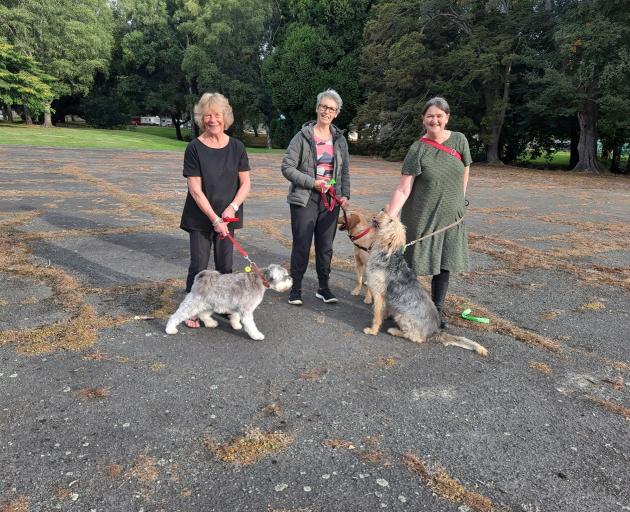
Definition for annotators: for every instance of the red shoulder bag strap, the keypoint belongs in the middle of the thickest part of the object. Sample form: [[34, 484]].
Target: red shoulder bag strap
[[446, 149]]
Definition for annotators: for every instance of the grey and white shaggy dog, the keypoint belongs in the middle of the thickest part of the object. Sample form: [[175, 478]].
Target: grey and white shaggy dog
[[238, 294], [396, 289]]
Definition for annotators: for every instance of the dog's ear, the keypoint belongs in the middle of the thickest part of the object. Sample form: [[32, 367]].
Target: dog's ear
[[353, 221]]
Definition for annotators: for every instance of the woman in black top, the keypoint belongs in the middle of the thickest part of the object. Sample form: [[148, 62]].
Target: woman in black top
[[217, 171]]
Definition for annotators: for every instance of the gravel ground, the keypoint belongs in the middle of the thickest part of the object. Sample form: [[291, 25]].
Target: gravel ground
[[102, 411]]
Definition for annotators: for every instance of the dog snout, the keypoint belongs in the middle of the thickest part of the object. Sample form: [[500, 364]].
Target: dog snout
[[375, 223]]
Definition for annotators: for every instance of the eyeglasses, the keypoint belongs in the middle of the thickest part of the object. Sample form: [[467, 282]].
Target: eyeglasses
[[325, 109]]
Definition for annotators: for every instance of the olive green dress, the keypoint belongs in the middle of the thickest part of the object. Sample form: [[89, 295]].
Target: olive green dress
[[436, 200]]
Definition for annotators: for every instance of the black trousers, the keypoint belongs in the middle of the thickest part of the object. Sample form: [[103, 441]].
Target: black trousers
[[200, 245], [307, 222]]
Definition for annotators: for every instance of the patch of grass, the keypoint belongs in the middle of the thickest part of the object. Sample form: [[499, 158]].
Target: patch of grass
[[251, 447], [63, 494], [498, 325], [515, 256], [99, 356], [551, 315], [446, 486], [18, 504], [92, 393], [143, 468], [372, 456], [557, 160], [594, 305], [610, 406], [150, 138], [617, 384], [290, 509], [72, 334], [273, 409], [540, 367], [338, 444], [113, 471], [314, 374]]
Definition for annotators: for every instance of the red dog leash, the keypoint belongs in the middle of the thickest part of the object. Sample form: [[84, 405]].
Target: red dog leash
[[244, 254], [330, 206]]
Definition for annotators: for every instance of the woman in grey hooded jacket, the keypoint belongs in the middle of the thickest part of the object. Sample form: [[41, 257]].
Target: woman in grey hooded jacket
[[317, 155]]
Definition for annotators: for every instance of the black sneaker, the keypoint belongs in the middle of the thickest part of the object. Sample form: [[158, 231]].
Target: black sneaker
[[295, 297], [326, 295]]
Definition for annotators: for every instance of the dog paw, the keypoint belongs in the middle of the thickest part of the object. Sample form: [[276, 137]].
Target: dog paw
[[258, 336], [367, 300], [369, 330], [356, 291], [171, 330]]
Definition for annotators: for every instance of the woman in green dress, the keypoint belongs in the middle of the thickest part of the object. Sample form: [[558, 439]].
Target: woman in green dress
[[430, 196]]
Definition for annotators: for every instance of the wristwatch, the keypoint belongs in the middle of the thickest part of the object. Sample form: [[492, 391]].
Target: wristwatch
[[235, 206]]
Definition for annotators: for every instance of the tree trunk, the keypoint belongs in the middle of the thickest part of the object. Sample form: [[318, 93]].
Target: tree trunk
[[177, 124], [587, 145], [575, 138], [627, 170], [10, 114], [615, 164], [27, 116], [495, 115], [47, 117]]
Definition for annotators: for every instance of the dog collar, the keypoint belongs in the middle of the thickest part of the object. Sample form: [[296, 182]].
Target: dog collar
[[360, 235]]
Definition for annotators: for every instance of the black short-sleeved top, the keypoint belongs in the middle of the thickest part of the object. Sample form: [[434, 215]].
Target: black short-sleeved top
[[218, 169]]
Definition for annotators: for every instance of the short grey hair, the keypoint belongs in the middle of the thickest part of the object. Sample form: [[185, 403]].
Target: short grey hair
[[438, 102], [333, 95], [213, 101]]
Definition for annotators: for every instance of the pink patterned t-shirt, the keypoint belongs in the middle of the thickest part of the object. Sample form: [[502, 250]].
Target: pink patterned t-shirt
[[325, 158]]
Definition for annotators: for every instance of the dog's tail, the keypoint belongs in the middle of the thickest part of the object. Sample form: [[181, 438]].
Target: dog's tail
[[459, 341]]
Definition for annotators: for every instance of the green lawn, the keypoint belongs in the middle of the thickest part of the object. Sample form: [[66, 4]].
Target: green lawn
[[559, 159], [140, 137]]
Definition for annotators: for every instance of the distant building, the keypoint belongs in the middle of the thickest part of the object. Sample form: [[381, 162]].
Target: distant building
[[151, 120]]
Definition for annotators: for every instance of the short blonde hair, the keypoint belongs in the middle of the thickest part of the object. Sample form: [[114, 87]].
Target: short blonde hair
[[216, 102]]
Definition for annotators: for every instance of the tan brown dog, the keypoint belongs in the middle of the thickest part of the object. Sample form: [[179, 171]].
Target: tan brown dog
[[361, 235], [397, 291]]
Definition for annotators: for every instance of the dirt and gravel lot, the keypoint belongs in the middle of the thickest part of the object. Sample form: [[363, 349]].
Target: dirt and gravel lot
[[102, 411]]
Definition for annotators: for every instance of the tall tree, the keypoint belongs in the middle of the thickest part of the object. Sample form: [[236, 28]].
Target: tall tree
[[223, 48], [464, 50], [71, 38], [317, 47], [593, 39], [22, 81]]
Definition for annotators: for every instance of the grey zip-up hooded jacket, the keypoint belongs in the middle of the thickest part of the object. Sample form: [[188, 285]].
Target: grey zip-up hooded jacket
[[299, 164]]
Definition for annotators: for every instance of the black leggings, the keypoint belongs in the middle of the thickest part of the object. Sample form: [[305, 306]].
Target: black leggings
[[439, 285], [200, 245], [306, 222]]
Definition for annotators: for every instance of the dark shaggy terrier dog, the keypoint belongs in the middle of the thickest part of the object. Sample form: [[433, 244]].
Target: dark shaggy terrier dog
[[395, 289]]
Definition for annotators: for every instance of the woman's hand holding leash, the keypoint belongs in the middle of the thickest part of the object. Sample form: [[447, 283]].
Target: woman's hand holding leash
[[322, 185], [229, 212], [220, 227]]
